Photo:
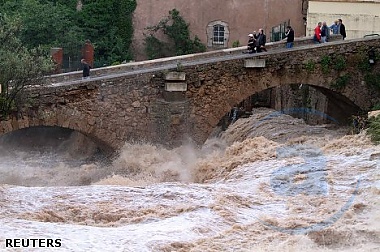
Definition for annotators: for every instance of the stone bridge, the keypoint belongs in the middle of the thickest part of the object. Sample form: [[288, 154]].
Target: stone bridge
[[167, 100]]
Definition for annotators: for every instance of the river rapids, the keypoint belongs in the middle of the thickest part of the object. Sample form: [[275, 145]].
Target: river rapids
[[265, 184]]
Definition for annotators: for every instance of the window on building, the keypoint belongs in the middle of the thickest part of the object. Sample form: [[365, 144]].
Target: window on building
[[217, 34]]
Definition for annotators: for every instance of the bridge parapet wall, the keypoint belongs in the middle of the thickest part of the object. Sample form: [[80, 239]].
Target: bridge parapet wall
[[97, 72]]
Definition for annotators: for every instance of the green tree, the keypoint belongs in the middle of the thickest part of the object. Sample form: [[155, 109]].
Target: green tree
[[154, 47], [180, 42], [45, 23], [108, 24], [57, 23], [19, 66]]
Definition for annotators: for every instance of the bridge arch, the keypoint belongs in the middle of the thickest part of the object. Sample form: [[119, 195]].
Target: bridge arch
[[219, 86], [339, 106], [296, 96], [61, 117]]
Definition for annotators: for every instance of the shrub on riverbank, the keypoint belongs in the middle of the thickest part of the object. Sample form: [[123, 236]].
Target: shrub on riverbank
[[374, 129]]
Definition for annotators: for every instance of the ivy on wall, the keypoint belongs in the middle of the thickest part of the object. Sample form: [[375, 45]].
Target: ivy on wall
[[339, 63], [175, 28]]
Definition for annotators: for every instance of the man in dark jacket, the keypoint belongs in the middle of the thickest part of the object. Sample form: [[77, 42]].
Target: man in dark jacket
[[260, 41], [86, 69], [289, 35], [325, 33], [342, 29]]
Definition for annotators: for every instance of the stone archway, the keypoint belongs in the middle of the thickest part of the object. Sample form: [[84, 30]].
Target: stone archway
[[58, 116]]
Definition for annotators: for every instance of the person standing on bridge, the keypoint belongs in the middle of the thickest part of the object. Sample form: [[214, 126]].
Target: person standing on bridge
[[342, 29], [86, 69], [260, 41], [325, 33], [335, 27], [289, 35], [317, 33]]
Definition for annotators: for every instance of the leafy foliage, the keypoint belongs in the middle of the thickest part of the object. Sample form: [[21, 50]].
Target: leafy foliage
[[374, 129], [339, 63], [376, 106], [19, 66], [108, 25], [44, 22], [155, 49], [325, 64], [57, 23], [341, 82], [177, 31], [310, 66], [236, 43], [373, 79], [362, 61]]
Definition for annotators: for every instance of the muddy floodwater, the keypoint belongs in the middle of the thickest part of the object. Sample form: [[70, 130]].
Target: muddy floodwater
[[265, 184]]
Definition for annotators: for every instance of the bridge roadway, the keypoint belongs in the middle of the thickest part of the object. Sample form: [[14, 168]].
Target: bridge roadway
[[136, 68]]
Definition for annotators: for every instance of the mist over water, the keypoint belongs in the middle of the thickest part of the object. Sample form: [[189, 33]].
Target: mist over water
[[254, 187], [48, 156]]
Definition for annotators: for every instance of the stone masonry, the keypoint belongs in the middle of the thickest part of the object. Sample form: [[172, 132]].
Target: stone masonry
[[135, 106]]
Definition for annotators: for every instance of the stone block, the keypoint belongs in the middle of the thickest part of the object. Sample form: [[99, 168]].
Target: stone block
[[176, 86], [136, 104], [175, 76], [176, 120], [173, 96], [254, 63]]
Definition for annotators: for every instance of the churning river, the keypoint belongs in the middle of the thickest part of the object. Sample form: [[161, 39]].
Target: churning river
[[267, 183]]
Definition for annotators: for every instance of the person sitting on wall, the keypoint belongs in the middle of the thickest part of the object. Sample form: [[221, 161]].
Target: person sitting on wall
[[251, 44]]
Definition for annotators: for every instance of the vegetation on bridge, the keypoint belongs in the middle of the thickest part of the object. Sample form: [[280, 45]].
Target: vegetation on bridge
[[339, 63]]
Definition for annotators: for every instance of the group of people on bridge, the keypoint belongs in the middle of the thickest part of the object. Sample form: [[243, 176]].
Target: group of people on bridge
[[256, 42], [322, 31]]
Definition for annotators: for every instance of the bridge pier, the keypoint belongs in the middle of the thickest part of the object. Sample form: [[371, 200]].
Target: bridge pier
[[171, 122], [171, 113]]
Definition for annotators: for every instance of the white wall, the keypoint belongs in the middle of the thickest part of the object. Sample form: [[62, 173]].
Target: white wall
[[359, 17]]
